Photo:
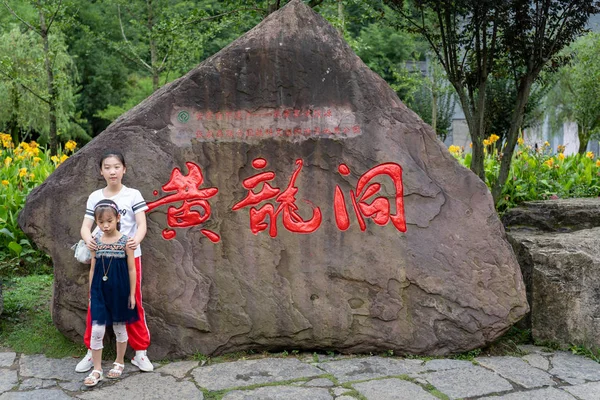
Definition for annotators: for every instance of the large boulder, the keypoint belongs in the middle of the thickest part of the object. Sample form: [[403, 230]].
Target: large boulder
[[556, 242], [423, 266]]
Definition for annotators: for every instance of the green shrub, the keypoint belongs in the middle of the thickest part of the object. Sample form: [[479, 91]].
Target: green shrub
[[23, 167], [539, 174]]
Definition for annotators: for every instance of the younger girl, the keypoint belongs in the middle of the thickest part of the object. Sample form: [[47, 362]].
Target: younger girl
[[112, 289]]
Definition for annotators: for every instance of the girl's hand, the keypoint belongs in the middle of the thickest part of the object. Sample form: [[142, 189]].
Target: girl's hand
[[132, 243], [91, 244], [131, 302]]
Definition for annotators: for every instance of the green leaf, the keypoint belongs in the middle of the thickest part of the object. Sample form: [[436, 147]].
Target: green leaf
[[7, 233], [15, 247]]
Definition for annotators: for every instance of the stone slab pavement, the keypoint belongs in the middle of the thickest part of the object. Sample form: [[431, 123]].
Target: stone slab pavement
[[539, 375]]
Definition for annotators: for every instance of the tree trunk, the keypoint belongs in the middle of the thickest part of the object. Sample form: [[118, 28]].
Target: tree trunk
[[473, 117], [153, 58], [341, 16], [434, 109], [13, 124], [50, 78], [584, 139], [513, 134]]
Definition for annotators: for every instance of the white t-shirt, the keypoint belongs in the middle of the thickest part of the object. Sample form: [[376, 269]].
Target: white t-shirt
[[129, 201]]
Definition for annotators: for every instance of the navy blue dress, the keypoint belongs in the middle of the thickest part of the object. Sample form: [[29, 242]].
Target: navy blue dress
[[110, 295]]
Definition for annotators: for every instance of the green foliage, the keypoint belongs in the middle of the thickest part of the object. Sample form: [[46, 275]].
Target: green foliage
[[539, 174], [26, 325], [23, 168], [23, 91], [589, 352], [576, 92]]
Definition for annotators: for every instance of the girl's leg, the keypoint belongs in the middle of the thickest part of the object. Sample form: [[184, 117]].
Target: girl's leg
[[96, 347], [119, 364]]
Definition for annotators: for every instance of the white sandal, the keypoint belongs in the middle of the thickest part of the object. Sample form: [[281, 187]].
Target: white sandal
[[94, 379], [116, 372]]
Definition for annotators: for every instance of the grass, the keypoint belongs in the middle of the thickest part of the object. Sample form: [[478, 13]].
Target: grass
[[26, 325]]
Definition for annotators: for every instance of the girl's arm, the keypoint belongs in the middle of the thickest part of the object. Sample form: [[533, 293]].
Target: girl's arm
[[132, 276], [140, 234], [92, 267], [86, 234]]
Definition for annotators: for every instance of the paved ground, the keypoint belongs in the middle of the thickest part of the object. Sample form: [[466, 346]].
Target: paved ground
[[540, 375]]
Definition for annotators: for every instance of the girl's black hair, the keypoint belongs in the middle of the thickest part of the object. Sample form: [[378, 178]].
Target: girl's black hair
[[112, 153], [107, 205]]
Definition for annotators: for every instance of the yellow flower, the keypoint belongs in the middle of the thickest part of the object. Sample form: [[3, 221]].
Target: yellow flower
[[18, 151], [55, 159], [590, 155], [36, 160], [7, 161], [454, 149], [5, 182], [561, 156], [494, 138], [486, 142], [32, 176], [549, 162], [34, 151], [63, 158], [22, 172], [546, 144], [520, 141], [6, 140], [70, 145], [597, 163], [20, 158], [33, 144], [470, 145], [560, 148]]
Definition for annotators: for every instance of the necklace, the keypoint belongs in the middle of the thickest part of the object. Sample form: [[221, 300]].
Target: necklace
[[105, 270]]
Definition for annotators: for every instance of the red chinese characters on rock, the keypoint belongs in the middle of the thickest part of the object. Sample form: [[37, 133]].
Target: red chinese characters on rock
[[286, 199], [195, 208], [379, 208]]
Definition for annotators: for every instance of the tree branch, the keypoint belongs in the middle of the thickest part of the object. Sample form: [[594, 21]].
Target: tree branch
[[24, 87], [21, 19], [129, 43], [53, 16]]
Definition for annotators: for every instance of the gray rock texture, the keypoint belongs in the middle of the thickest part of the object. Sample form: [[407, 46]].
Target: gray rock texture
[[562, 272], [573, 369], [290, 97], [252, 372], [7, 359], [392, 389], [280, 393], [358, 369], [518, 371], [587, 391], [178, 369], [562, 215], [42, 394], [467, 382], [147, 387], [538, 394], [556, 244], [8, 380]]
